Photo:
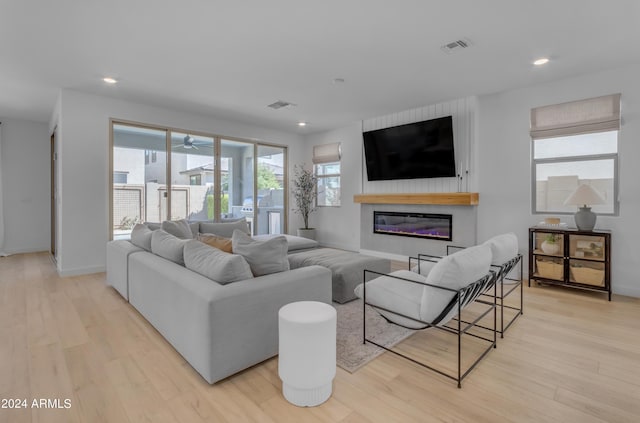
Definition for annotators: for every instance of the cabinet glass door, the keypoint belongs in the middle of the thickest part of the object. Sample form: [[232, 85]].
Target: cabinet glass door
[[586, 272], [548, 243], [587, 247]]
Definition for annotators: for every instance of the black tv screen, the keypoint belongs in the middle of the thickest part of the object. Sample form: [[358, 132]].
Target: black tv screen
[[416, 150]]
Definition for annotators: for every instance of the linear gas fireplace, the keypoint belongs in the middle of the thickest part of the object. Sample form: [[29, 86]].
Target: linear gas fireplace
[[420, 225]]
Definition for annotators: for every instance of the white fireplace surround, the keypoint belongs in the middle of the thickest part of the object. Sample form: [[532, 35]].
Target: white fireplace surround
[[464, 229]]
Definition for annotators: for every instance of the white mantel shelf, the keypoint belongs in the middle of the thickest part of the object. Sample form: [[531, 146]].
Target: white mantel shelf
[[437, 198]]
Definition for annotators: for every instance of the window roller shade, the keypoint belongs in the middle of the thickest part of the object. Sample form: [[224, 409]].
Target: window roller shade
[[577, 117], [326, 153]]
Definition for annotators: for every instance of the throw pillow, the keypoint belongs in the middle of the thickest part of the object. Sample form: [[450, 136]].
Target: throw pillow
[[168, 246], [425, 266], [224, 229], [454, 271], [216, 241], [179, 228], [141, 236], [215, 264], [264, 256], [503, 248]]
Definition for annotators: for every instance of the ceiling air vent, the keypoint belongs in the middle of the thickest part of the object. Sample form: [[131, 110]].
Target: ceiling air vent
[[280, 104], [456, 45]]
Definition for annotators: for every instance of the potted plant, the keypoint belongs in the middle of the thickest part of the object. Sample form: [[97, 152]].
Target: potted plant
[[550, 244], [304, 189]]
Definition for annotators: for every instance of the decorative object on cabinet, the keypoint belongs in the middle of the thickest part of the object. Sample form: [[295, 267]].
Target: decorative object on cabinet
[[582, 259], [550, 244], [585, 196]]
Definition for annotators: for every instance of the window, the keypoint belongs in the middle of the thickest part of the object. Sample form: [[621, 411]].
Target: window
[[195, 180], [328, 192], [573, 144], [326, 160], [154, 157], [120, 177]]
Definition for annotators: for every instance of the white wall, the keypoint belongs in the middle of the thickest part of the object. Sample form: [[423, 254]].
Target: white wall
[[342, 227], [26, 198], [463, 111], [83, 124], [505, 169], [339, 226]]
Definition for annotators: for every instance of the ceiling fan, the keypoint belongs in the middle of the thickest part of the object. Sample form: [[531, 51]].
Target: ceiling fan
[[188, 142]]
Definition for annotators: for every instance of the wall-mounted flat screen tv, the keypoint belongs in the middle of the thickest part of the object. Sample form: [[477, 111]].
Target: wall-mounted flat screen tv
[[416, 150]]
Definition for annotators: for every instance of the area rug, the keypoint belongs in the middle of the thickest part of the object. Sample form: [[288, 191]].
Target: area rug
[[352, 353]]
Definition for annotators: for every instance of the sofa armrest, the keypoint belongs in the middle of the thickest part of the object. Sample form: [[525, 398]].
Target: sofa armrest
[[118, 253]]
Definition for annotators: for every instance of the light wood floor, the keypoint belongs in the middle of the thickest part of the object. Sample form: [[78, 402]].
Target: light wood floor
[[572, 357]]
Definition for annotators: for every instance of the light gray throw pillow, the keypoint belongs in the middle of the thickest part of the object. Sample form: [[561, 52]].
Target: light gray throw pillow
[[167, 246], [179, 228], [264, 256], [141, 236], [215, 264]]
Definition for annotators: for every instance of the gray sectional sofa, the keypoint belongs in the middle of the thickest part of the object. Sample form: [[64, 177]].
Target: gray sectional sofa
[[220, 329]]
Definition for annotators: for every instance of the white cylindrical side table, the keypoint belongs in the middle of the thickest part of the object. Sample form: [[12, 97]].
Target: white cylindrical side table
[[307, 352]]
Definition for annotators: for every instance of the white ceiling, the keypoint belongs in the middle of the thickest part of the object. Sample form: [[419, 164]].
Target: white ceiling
[[233, 58]]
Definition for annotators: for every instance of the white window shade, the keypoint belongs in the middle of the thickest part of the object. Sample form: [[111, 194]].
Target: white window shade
[[577, 117], [326, 153]]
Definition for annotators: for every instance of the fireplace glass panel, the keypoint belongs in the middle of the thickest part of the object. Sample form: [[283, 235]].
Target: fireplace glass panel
[[420, 225]]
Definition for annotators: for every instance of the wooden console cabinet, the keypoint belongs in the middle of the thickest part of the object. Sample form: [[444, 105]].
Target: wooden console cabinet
[[570, 257]]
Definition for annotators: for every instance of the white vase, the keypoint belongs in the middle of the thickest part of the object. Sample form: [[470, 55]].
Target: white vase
[[309, 233], [550, 248]]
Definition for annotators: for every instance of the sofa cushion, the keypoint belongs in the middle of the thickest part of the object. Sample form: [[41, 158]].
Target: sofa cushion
[[141, 236], [216, 241], [396, 294], [215, 264], [153, 225], [503, 248], [264, 256], [168, 246], [179, 228], [224, 229], [296, 243]]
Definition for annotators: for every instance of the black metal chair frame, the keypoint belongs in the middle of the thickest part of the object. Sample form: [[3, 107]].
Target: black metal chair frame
[[463, 297], [502, 271]]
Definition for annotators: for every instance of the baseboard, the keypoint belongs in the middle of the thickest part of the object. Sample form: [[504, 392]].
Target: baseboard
[[81, 271], [629, 291], [396, 257], [26, 250]]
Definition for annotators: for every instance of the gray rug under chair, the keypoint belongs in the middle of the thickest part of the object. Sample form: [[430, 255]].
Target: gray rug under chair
[[351, 352]]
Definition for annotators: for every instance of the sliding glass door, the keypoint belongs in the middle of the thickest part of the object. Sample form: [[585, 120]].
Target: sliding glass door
[[192, 177], [269, 216], [236, 173], [160, 174], [139, 177]]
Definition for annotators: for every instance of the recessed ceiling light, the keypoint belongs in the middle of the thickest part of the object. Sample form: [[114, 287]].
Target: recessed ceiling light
[[302, 123], [110, 80], [541, 61]]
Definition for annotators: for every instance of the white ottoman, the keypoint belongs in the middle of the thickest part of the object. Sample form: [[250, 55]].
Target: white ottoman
[[307, 352]]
